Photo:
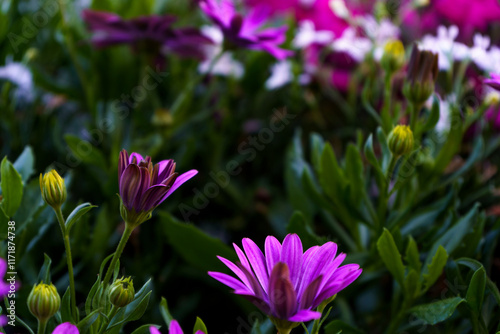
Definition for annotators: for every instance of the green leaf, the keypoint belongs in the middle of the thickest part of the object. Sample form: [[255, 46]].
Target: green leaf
[[85, 151], [25, 164], [199, 326], [197, 248], [66, 307], [370, 156], [12, 188], [412, 283], [77, 213], [85, 324], [165, 312], [391, 256], [412, 256], [452, 238], [134, 310], [44, 274], [303, 229], [354, 173], [452, 144], [436, 312], [475, 265], [433, 118], [337, 326], [386, 152], [317, 147], [435, 268], [475, 292], [144, 329], [332, 178]]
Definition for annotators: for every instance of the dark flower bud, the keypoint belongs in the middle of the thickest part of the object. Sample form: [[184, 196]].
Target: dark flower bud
[[422, 75]]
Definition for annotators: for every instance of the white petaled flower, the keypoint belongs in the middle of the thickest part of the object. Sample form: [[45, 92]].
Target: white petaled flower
[[479, 53], [281, 74], [21, 76], [445, 46], [355, 46], [226, 65], [494, 56], [339, 8], [308, 35], [379, 33]]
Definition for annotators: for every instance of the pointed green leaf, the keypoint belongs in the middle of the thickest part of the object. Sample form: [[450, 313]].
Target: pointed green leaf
[[165, 312], [332, 177], [354, 172], [199, 326], [475, 292], [85, 151], [412, 283], [435, 268], [391, 256], [25, 164], [144, 329], [44, 274], [436, 312], [66, 307], [77, 213], [12, 188], [412, 256], [433, 118]]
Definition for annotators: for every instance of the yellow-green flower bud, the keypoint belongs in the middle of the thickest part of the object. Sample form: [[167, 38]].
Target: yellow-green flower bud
[[401, 140], [53, 189], [394, 56], [44, 301], [121, 292]]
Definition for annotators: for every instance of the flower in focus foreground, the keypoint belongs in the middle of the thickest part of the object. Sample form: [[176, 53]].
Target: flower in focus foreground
[[287, 283], [174, 328], [44, 301], [494, 81], [53, 189], [66, 328], [144, 186], [152, 34], [242, 31], [401, 140]]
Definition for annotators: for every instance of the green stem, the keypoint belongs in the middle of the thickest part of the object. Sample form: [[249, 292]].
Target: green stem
[[119, 250], [69, 261], [384, 196], [394, 324], [42, 325], [317, 322], [386, 110], [110, 316]]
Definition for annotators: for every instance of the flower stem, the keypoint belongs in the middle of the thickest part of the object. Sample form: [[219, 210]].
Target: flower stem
[[110, 316], [42, 325], [119, 249], [386, 110], [69, 261], [317, 322], [384, 196]]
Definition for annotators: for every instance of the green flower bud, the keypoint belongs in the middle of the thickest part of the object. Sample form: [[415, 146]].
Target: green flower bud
[[121, 292], [401, 140], [422, 75], [53, 189], [44, 301], [393, 57]]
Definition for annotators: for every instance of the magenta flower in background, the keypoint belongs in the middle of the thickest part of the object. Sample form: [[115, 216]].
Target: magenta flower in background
[[244, 31], [285, 282], [152, 34], [494, 81], [144, 186], [174, 328]]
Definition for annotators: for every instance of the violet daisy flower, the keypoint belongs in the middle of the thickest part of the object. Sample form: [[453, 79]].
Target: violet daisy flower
[[243, 31], [144, 186], [152, 34], [174, 328], [66, 328], [494, 81], [285, 282]]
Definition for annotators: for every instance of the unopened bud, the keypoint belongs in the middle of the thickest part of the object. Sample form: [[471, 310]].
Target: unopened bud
[[53, 189], [422, 75], [394, 56], [121, 292], [401, 140], [44, 301]]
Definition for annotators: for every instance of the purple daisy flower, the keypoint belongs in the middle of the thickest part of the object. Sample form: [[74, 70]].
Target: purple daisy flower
[[144, 186], [243, 31], [285, 282], [66, 328], [174, 328], [153, 34], [494, 81]]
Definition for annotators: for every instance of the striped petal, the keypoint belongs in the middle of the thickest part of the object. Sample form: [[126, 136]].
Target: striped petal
[[256, 259], [291, 254], [273, 252], [282, 296], [230, 281]]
